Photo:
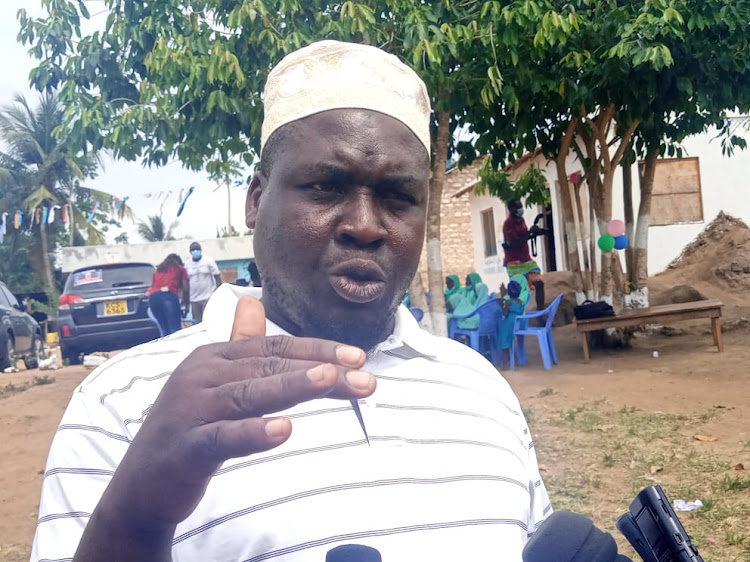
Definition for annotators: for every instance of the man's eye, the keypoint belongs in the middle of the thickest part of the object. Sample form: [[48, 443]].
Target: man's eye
[[400, 196], [325, 187]]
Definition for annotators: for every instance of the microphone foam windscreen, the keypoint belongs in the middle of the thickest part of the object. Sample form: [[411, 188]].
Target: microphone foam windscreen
[[569, 537], [353, 553]]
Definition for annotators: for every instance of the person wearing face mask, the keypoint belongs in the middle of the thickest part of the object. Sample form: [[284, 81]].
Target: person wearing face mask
[[204, 278], [517, 259]]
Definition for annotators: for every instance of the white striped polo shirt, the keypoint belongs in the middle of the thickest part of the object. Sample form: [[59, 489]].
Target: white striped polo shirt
[[449, 473]]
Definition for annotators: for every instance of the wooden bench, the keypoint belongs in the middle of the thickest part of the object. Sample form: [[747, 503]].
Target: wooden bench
[[655, 315]]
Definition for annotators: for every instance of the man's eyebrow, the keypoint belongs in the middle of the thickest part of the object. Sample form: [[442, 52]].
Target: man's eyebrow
[[342, 173], [330, 170]]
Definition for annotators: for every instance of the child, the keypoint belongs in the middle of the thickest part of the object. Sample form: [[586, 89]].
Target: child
[[514, 300]]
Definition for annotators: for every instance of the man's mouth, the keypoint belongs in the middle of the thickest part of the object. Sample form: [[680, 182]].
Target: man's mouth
[[358, 281]]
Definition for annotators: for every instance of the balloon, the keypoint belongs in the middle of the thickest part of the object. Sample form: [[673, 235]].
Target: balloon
[[606, 242], [621, 242], [616, 228]]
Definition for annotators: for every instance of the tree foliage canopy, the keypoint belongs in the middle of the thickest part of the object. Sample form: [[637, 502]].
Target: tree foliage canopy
[[161, 79]]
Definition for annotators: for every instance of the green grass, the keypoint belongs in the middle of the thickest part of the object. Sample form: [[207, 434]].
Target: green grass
[[597, 458]]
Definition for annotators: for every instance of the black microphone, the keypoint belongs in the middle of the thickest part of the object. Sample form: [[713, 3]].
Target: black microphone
[[569, 537], [353, 553]]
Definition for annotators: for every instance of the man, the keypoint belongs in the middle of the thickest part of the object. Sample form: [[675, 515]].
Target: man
[[183, 449], [204, 277], [517, 259]]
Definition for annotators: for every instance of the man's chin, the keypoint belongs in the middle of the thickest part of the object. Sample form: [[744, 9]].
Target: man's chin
[[365, 332]]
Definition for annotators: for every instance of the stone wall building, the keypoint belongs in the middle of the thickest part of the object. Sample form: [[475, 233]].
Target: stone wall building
[[457, 241]]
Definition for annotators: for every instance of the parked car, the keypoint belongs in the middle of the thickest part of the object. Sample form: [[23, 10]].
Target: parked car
[[104, 308], [20, 334]]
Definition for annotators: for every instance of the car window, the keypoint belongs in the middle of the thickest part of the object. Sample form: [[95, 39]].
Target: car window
[[3, 299], [11, 298], [109, 278]]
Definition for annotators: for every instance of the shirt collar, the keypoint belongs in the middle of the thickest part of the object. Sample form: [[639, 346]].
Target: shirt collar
[[408, 340]]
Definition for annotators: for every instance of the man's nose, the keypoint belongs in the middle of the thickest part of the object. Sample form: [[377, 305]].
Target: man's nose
[[361, 221]]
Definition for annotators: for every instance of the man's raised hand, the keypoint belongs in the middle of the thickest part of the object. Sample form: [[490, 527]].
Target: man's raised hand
[[214, 408]]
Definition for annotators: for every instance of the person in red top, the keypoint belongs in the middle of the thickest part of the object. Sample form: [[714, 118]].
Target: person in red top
[[517, 259], [170, 279]]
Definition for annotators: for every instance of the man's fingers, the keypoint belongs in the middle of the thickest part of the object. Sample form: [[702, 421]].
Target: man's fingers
[[249, 319], [216, 442], [309, 349], [261, 396]]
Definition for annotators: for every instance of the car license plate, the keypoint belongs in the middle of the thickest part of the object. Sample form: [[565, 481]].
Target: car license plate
[[115, 308]]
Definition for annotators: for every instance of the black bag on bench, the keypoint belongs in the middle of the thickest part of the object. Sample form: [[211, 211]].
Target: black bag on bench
[[591, 309]]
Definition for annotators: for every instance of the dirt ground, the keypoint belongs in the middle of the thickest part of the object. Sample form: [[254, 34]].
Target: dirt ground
[[688, 379]]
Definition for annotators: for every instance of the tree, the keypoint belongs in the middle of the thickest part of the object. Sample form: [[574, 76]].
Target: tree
[[591, 90], [40, 169], [162, 80], [155, 230]]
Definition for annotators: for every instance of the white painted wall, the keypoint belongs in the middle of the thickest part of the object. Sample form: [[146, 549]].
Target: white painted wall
[[220, 249], [725, 186]]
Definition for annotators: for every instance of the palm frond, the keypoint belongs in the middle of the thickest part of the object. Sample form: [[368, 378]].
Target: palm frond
[[39, 196]]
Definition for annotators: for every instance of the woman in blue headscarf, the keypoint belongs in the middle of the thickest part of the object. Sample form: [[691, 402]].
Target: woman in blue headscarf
[[452, 286], [473, 283]]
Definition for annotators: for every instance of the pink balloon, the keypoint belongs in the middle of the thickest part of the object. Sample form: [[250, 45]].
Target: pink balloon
[[616, 228]]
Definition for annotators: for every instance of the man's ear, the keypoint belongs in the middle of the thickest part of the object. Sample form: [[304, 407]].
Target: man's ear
[[257, 185]]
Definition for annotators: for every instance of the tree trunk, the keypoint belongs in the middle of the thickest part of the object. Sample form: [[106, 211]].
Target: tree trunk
[[49, 277], [627, 200], [417, 298], [639, 295], [587, 286], [604, 215], [594, 296], [572, 260], [435, 279]]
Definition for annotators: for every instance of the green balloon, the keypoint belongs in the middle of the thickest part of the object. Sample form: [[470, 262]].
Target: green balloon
[[606, 242]]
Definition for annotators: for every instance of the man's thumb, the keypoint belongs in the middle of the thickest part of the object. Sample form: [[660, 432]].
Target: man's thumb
[[249, 319]]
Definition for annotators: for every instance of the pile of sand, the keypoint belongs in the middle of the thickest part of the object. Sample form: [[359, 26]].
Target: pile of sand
[[720, 256]]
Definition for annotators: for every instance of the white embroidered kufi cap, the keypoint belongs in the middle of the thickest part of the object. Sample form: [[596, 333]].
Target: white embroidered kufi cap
[[335, 75]]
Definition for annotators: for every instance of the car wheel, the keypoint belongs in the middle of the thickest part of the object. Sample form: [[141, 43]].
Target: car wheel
[[37, 353], [70, 355], [8, 353]]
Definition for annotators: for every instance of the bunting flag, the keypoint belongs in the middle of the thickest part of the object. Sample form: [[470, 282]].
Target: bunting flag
[[51, 217], [38, 215], [182, 205], [3, 229], [181, 192], [65, 216], [239, 182], [18, 219], [45, 215], [120, 207], [92, 214]]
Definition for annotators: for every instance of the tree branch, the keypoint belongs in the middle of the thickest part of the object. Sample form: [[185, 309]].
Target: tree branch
[[625, 141]]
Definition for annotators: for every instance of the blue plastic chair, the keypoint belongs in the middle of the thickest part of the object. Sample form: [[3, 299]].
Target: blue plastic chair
[[522, 328], [489, 315], [418, 313]]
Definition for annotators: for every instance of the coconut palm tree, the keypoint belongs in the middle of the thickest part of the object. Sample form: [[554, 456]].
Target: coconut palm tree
[[38, 168], [155, 230]]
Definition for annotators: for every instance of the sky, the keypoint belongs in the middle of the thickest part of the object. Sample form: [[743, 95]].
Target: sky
[[206, 209]]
